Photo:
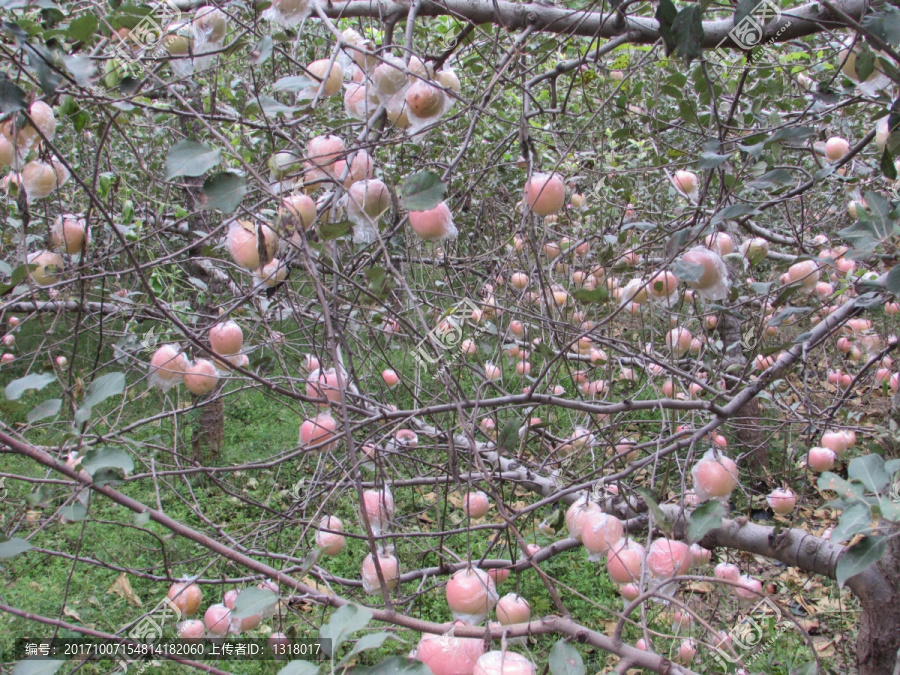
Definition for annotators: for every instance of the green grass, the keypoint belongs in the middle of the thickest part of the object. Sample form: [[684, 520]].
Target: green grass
[[258, 426]]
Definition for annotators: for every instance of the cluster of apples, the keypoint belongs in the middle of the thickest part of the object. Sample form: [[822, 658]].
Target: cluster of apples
[[217, 620], [412, 93], [169, 366], [449, 655], [69, 234], [20, 138], [253, 246], [192, 43]]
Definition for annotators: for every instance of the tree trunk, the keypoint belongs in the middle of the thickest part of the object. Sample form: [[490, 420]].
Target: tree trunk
[[878, 640], [749, 433], [209, 433]]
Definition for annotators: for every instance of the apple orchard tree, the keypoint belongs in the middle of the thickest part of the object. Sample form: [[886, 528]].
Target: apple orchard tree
[[584, 313]]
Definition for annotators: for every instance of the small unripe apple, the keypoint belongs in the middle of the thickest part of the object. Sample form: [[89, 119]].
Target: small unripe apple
[[600, 532], [331, 543], [379, 508], [201, 377], [323, 151], [749, 589], [513, 608], [623, 562], [491, 372], [191, 629], [727, 571], [668, 557], [433, 224], [68, 233], [720, 242], [782, 501], [226, 338], [217, 620], [61, 361], [503, 663], [49, 267], [168, 363], [186, 597], [714, 477], [333, 77], [317, 431], [545, 194], [476, 504], [425, 101], [835, 148], [390, 570], [687, 651], [391, 379], [686, 183]]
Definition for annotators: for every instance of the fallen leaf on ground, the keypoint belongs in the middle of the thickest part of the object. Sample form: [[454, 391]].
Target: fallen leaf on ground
[[122, 587]]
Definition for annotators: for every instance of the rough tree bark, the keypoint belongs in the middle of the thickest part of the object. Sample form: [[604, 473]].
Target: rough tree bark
[[878, 640], [751, 442]]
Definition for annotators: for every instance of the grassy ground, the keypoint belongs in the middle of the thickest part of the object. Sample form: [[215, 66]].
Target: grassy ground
[[256, 427]]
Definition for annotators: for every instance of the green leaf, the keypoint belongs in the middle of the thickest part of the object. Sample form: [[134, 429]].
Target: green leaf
[[41, 63], [892, 282], [857, 558], [74, 513], [262, 51], [252, 601], [83, 28], [865, 63], [422, 191], [565, 660], [810, 668], [885, 24], [292, 84], [587, 297], [12, 96], [104, 387], [329, 231], [14, 546], [107, 458], [773, 178], [666, 14], [890, 509], [834, 483], [36, 666], [300, 668], [223, 192], [688, 31], [399, 665], [650, 499], [370, 641], [711, 160], [791, 134], [856, 519], [190, 158], [344, 622], [892, 466], [509, 436], [708, 516], [734, 212], [888, 168], [870, 471], [18, 276], [38, 381], [45, 409], [686, 271]]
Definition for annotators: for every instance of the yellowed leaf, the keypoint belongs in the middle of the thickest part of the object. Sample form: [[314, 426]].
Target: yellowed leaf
[[71, 613], [122, 587], [824, 648], [700, 587]]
